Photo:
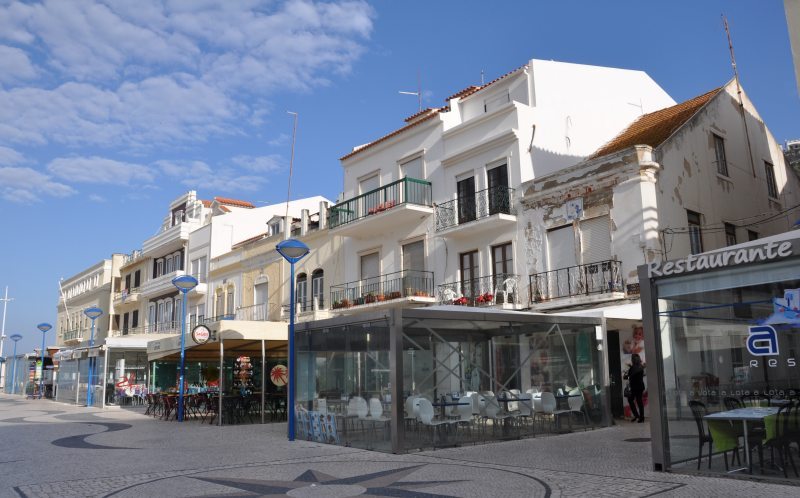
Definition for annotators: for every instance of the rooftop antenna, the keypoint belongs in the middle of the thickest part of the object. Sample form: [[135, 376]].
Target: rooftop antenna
[[5, 300], [418, 93], [291, 163], [739, 94], [481, 77], [640, 105]]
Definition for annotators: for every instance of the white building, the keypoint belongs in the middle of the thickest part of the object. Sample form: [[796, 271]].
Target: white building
[[430, 209]]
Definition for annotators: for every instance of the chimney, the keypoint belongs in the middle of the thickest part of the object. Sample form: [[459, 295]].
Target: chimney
[[323, 215], [303, 221]]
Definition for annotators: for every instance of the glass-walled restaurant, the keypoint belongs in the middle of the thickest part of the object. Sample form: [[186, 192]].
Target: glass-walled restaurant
[[726, 339], [235, 378], [435, 377]]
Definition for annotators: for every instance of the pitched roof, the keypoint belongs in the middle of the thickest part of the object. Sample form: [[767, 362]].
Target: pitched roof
[[475, 89], [434, 112], [234, 202], [251, 240], [654, 128], [206, 203]]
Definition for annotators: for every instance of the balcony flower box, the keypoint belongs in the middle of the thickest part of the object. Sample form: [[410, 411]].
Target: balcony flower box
[[486, 298], [369, 298], [395, 295], [461, 301]]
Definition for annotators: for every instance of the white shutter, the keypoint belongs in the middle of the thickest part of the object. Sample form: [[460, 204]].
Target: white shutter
[[561, 248], [370, 265], [413, 169], [414, 256], [595, 240]]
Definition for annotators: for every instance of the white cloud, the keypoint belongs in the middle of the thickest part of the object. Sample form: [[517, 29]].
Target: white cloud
[[97, 198], [199, 175], [10, 157], [281, 139], [26, 185], [260, 164], [146, 73], [100, 170], [15, 65]]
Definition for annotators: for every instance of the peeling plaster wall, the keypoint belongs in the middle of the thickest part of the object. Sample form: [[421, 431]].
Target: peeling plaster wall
[[689, 178]]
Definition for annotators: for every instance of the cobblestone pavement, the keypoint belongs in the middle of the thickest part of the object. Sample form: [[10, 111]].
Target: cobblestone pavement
[[51, 449]]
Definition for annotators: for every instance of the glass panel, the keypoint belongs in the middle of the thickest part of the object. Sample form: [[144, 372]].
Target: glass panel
[[725, 347]]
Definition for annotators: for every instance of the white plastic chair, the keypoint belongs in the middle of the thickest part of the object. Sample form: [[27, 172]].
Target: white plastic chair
[[464, 412], [376, 413], [508, 286], [575, 403], [426, 417], [492, 411], [525, 409]]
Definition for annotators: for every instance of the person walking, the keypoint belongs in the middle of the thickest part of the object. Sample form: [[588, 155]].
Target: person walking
[[635, 377]]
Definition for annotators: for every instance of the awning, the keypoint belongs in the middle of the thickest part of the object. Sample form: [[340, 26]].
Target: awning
[[242, 332], [631, 311]]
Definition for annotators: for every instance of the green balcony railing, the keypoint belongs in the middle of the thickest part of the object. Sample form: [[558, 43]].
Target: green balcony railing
[[405, 191]]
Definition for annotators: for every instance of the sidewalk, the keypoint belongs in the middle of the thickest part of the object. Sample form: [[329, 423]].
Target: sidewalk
[[51, 449]]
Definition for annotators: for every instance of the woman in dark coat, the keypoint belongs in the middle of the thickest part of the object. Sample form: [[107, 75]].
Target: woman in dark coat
[[635, 376]]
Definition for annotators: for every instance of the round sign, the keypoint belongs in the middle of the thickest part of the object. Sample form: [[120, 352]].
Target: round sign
[[201, 334], [279, 375]]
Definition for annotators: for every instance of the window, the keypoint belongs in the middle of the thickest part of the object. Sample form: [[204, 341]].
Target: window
[[275, 227], [219, 308], [502, 261], [465, 190], [498, 190], [301, 291], [127, 281], [159, 269], [695, 233], [317, 288], [151, 316], [730, 234], [752, 235], [370, 271], [137, 279], [412, 169], [125, 324], [229, 302], [135, 319], [199, 269], [468, 264], [719, 151], [772, 186], [168, 265], [370, 187]]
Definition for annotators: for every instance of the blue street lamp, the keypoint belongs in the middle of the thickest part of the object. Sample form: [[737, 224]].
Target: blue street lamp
[[93, 313], [184, 283], [292, 251], [16, 338], [44, 327]]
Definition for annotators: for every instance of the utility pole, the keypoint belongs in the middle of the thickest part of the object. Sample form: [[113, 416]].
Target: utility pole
[[5, 300]]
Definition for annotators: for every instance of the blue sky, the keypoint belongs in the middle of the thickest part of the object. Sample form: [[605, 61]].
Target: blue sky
[[109, 110]]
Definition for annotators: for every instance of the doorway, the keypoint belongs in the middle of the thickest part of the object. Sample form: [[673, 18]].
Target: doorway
[[615, 375]]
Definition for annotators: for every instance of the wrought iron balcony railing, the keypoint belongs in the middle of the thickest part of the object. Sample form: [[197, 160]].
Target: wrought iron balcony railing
[[125, 294], [593, 278], [481, 204], [407, 190], [171, 327], [502, 288], [315, 303], [405, 283]]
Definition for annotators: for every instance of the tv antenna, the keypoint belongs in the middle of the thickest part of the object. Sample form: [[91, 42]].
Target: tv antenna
[[291, 163], [418, 93], [739, 95]]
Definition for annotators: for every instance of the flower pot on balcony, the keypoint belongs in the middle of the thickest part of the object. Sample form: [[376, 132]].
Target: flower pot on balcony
[[369, 299], [380, 298], [395, 295]]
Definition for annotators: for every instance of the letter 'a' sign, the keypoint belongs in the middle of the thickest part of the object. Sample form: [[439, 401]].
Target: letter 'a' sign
[[201, 334], [763, 341]]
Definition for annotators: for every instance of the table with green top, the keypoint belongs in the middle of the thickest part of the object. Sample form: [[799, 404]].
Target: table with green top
[[726, 438]]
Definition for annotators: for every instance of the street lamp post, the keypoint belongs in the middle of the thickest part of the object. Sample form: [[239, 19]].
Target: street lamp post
[[44, 327], [15, 338], [292, 251], [184, 283], [93, 313]]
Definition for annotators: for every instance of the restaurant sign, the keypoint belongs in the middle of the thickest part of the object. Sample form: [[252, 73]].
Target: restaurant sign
[[201, 334], [721, 259]]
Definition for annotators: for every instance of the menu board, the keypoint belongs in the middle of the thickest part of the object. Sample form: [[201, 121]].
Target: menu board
[[243, 374]]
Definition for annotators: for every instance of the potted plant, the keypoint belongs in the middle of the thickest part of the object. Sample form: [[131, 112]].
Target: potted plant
[[369, 298], [461, 301], [485, 298], [380, 298], [345, 303]]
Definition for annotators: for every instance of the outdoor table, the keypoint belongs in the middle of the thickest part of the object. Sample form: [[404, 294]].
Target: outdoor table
[[443, 404], [745, 415]]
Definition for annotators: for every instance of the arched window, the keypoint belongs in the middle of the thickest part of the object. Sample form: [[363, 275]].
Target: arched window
[[301, 292], [229, 301], [219, 305], [317, 288]]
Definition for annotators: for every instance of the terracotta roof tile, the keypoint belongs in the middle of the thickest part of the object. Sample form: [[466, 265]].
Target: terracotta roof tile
[[390, 135], [251, 240], [475, 89], [420, 113], [206, 203], [234, 202], [469, 89], [655, 127]]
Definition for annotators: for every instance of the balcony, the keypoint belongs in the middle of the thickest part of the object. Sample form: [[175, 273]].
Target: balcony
[[126, 297], [401, 202], [73, 336], [160, 285], [162, 328], [594, 282], [501, 290], [407, 286], [485, 210], [131, 258], [254, 313], [171, 239]]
